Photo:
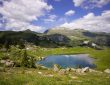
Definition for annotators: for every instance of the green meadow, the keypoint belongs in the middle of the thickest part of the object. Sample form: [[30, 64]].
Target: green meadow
[[31, 76]]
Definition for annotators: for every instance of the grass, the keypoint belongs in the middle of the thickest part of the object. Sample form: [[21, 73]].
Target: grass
[[19, 76], [25, 76]]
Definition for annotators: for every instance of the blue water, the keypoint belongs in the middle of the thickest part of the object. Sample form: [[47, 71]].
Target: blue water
[[72, 61]]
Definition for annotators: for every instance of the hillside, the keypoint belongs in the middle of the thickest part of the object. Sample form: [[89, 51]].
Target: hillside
[[14, 38], [100, 38]]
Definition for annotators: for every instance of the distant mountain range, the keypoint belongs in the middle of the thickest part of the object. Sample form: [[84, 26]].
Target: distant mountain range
[[79, 33], [55, 37]]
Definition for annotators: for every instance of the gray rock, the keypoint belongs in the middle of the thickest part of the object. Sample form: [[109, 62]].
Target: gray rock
[[9, 64], [55, 68], [91, 70], [62, 71], [73, 69], [68, 69], [86, 69], [78, 70], [107, 71], [3, 61]]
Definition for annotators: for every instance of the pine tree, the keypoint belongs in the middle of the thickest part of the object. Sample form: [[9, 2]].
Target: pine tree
[[25, 59]]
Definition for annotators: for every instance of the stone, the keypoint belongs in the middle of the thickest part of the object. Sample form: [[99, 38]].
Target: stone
[[49, 75], [62, 71], [73, 69], [3, 61], [9, 64], [29, 72], [74, 77], [55, 68], [39, 72], [86, 69], [78, 70], [68, 69], [107, 71]]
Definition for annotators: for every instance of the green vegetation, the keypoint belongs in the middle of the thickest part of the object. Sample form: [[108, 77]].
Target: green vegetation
[[28, 76], [20, 76]]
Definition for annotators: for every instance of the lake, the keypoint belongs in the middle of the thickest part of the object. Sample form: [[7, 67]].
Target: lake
[[71, 61]]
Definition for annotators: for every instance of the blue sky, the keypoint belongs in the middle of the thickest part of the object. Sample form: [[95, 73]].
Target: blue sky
[[39, 15]]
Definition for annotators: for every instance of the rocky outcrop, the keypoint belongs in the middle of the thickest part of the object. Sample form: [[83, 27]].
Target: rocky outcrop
[[107, 71]]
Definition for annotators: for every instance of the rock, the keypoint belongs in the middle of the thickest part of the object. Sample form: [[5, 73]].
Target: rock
[[55, 68], [86, 69], [45, 68], [68, 69], [29, 72], [91, 70], [74, 77], [39, 72], [78, 70], [49, 75], [86, 42], [93, 45], [107, 71], [9, 64], [3, 61], [73, 69], [62, 71]]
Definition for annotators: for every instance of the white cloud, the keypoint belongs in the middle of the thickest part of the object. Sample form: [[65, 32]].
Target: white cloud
[[78, 2], [70, 12], [19, 13], [51, 18], [87, 4], [91, 22]]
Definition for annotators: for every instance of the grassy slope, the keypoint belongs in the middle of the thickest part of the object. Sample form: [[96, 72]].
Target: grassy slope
[[20, 76]]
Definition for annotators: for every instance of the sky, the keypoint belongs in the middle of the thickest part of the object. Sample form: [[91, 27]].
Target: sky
[[40, 15]]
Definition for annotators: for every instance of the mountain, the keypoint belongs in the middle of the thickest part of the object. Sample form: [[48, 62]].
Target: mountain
[[54, 37], [14, 38], [100, 38], [76, 33]]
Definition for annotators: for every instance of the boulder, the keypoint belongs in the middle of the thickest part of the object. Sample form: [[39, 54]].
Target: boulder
[[68, 69], [3, 61], [55, 68], [73, 69], [9, 64], [86, 69], [92, 70], [107, 71], [49, 75], [62, 72], [39, 72], [78, 70]]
